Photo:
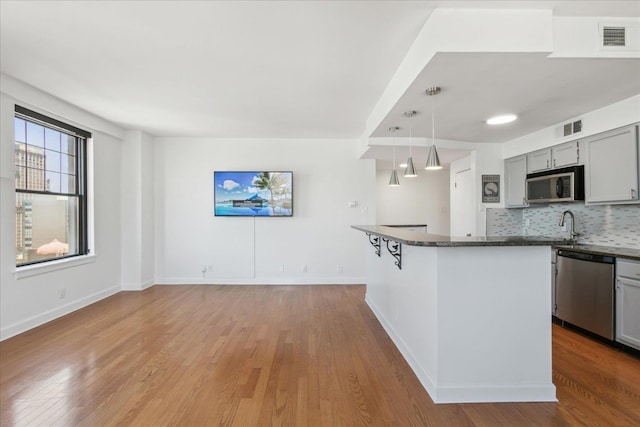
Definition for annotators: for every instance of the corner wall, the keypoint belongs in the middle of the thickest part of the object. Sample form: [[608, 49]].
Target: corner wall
[[29, 301], [326, 177]]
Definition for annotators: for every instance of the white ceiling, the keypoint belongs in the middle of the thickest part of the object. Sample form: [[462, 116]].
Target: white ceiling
[[542, 91], [292, 69], [222, 69]]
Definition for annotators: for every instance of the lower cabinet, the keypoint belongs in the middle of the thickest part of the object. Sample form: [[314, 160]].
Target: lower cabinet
[[628, 302]]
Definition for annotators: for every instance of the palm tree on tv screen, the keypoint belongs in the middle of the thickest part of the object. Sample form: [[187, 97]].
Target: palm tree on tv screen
[[274, 183]]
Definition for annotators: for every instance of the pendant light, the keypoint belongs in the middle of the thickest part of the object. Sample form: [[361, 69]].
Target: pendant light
[[393, 180], [433, 160], [410, 171]]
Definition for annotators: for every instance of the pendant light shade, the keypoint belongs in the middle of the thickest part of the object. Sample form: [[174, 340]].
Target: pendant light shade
[[410, 170], [433, 160], [393, 179]]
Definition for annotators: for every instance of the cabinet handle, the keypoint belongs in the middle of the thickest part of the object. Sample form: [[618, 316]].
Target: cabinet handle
[[547, 163], [633, 194], [554, 163]]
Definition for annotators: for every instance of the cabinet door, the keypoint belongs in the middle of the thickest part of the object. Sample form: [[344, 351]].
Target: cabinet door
[[628, 311], [611, 170], [565, 155], [539, 160], [515, 175]]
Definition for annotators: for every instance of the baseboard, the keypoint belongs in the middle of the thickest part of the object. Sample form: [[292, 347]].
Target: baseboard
[[503, 394], [41, 319], [261, 281], [138, 286]]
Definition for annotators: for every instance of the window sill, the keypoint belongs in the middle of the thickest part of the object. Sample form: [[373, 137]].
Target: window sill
[[33, 270]]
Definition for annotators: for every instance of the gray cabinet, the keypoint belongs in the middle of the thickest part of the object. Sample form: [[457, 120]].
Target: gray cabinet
[[558, 156], [567, 154], [554, 280], [515, 175], [628, 302], [611, 171], [539, 161]]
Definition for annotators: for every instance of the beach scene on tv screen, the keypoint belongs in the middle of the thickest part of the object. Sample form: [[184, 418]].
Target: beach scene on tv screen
[[253, 193]]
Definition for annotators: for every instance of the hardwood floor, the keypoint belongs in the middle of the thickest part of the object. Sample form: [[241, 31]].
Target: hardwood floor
[[269, 355]]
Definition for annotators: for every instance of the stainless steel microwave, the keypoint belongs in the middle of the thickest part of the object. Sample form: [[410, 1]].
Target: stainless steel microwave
[[557, 185]]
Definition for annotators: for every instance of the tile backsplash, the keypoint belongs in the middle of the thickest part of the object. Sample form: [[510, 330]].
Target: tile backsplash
[[608, 225]]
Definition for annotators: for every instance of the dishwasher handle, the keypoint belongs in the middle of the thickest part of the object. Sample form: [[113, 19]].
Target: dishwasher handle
[[604, 259]]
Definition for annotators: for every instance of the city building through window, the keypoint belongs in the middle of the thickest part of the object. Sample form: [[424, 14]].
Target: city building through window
[[51, 183]]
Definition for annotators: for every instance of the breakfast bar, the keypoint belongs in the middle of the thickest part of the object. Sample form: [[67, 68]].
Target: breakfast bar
[[471, 315]]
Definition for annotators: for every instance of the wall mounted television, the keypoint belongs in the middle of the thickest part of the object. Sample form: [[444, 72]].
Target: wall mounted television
[[253, 193]]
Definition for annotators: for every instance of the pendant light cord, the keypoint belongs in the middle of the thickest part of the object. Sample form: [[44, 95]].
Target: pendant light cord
[[433, 122]]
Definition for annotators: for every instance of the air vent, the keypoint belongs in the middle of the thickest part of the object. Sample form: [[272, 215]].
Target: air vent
[[569, 129], [619, 35], [614, 36]]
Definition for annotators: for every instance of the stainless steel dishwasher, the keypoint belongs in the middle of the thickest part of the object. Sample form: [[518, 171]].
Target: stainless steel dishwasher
[[585, 291]]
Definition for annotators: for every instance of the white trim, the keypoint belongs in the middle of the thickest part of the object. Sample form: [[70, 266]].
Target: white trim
[[47, 316], [260, 281], [49, 266], [138, 286], [508, 393]]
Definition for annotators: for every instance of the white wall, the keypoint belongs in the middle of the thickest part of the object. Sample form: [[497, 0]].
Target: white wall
[[137, 211], [326, 176], [610, 117], [420, 200], [28, 300]]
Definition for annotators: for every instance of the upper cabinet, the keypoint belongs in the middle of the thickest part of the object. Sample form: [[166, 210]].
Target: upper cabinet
[[567, 154], [515, 175], [611, 172], [539, 160], [559, 156]]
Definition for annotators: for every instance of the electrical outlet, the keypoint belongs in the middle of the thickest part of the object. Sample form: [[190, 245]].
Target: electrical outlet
[[339, 269], [210, 268], [304, 268], [281, 268], [62, 292]]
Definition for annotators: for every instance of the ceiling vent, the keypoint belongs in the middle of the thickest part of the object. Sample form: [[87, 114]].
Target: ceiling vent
[[569, 129], [614, 36], [623, 36]]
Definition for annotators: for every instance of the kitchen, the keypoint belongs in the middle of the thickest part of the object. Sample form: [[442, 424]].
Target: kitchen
[[595, 202], [593, 285]]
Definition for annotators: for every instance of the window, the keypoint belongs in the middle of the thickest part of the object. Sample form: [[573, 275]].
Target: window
[[51, 202]]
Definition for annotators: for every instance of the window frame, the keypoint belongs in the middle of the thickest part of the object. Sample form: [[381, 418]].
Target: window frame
[[81, 173]]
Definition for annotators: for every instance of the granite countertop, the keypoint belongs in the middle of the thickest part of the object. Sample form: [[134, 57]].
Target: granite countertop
[[418, 238], [602, 250]]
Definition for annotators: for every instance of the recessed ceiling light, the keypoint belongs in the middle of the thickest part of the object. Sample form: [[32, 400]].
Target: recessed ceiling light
[[502, 119]]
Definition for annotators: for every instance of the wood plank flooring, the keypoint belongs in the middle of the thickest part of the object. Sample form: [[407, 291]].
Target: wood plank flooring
[[269, 356]]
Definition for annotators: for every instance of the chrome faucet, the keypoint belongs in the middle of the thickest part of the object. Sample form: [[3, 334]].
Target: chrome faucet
[[573, 233]]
